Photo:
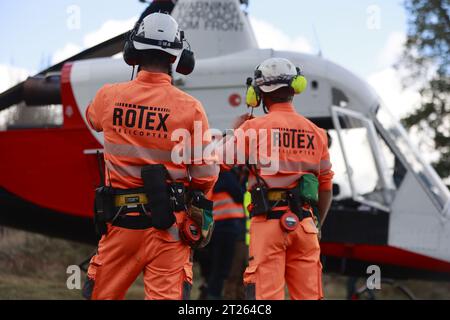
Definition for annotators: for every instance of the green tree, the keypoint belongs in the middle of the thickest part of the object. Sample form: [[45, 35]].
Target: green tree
[[426, 61]]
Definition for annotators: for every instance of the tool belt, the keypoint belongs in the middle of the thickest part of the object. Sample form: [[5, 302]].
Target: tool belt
[[152, 206], [113, 206], [277, 199], [299, 199]]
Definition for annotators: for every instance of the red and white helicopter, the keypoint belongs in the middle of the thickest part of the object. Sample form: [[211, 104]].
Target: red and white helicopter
[[391, 209]]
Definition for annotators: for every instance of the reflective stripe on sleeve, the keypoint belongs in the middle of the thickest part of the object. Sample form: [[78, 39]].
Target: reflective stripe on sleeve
[[325, 165]]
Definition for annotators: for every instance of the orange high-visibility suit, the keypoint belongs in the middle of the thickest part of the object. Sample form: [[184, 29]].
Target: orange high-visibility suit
[[225, 207], [277, 257], [138, 119]]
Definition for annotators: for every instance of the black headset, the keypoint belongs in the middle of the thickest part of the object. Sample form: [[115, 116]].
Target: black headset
[[131, 55]]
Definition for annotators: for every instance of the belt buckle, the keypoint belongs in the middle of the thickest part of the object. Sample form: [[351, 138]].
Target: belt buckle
[[277, 195], [132, 201]]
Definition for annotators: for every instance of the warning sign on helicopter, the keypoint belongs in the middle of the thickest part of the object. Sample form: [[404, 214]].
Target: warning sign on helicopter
[[210, 16]]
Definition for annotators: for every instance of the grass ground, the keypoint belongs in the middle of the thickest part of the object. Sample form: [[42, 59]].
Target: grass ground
[[33, 266]]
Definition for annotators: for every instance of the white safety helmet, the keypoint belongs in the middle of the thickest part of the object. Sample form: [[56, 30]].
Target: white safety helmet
[[277, 71], [162, 28]]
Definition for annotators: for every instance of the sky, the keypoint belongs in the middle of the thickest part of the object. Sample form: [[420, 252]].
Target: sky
[[363, 36], [341, 27]]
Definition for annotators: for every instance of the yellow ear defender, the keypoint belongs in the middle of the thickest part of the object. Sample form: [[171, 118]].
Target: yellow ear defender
[[253, 97], [299, 82]]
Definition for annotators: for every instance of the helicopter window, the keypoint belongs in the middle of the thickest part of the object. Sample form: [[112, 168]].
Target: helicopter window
[[23, 117], [426, 175], [364, 159], [340, 176], [339, 98], [395, 167], [362, 170]]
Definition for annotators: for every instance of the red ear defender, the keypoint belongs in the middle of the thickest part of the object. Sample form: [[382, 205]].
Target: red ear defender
[[289, 221]]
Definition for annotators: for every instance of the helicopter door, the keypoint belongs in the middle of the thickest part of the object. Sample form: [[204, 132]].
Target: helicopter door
[[366, 167]]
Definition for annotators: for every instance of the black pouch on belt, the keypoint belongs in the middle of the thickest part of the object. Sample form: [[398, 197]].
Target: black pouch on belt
[[259, 192], [260, 201], [104, 209], [157, 191], [295, 200], [178, 196]]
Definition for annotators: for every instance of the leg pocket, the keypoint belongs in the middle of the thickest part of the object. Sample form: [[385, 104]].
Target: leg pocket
[[308, 238], [250, 282], [94, 265], [309, 226]]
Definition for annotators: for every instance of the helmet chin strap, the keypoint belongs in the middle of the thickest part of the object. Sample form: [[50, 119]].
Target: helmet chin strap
[[265, 108], [132, 73], [170, 73]]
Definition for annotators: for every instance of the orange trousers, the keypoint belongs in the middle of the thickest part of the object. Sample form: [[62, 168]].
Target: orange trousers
[[277, 257], [124, 253]]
